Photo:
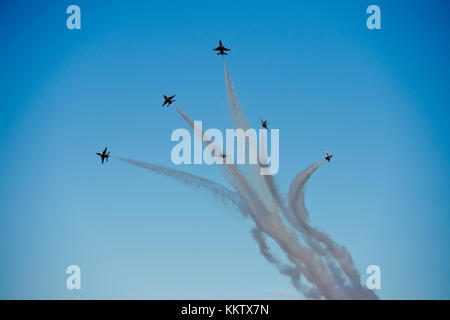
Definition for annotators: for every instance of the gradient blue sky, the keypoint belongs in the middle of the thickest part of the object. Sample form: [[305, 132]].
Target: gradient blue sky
[[378, 100]]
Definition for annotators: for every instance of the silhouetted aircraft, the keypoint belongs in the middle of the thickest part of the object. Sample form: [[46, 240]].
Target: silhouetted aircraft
[[168, 100], [328, 157], [103, 155], [221, 49], [264, 123]]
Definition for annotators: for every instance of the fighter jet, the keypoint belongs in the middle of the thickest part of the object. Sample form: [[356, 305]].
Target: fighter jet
[[328, 157], [221, 49], [168, 100], [103, 155], [264, 124]]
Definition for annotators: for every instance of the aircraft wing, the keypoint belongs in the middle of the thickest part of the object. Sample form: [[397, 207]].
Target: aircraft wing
[[103, 160], [225, 49], [104, 151]]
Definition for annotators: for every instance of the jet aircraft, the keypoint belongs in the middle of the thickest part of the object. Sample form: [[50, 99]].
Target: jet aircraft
[[328, 156], [104, 155], [168, 100], [221, 49], [264, 124]]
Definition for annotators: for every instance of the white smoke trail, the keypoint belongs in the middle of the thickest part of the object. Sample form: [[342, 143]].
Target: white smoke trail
[[288, 270], [297, 215], [267, 181], [325, 265], [240, 122], [339, 253], [271, 224], [227, 197], [237, 115], [224, 195]]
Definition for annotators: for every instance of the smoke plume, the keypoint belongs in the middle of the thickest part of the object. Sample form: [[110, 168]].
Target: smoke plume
[[316, 265]]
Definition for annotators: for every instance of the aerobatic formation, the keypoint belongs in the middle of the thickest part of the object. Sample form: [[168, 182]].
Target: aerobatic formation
[[317, 266]]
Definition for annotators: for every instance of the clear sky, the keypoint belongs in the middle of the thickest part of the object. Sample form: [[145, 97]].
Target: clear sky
[[377, 99]]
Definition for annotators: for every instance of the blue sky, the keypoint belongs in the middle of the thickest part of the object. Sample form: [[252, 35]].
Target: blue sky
[[377, 99]]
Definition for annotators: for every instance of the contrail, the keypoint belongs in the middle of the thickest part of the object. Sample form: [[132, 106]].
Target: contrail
[[339, 253], [296, 214], [326, 266], [276, 195], [292, 272], [189, 121], [240, 122], [298, 217], [232, 172], [227, 197], [296, 191], [237, 115], [223, 194], [270, 223]]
